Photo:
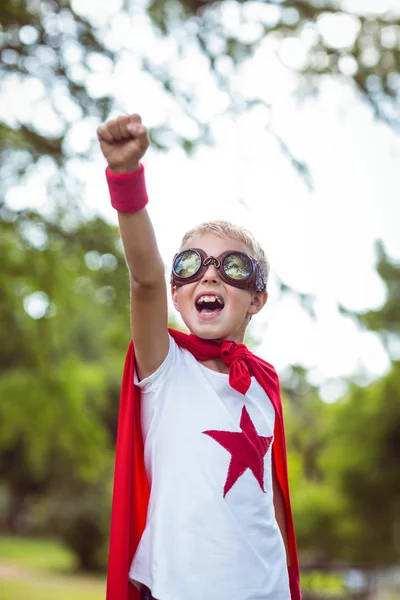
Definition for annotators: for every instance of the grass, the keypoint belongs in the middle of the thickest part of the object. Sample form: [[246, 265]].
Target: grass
[[43, 588], [43, 570], [42, 555], [330, 584]]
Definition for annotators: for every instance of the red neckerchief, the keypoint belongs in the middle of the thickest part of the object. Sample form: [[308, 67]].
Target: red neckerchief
[[131, 489]]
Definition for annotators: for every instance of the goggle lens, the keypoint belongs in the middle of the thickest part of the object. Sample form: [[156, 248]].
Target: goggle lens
[[237, 266], [187, 263]]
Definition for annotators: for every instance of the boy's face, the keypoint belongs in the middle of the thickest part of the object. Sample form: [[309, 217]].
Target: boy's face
[[211, 308]]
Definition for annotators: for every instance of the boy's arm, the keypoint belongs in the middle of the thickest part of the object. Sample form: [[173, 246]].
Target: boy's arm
[[124, 142], [279, 505]]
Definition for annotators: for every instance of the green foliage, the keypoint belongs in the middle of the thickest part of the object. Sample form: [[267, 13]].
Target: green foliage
[[64, 330], [79, 516], [320, 511], [35, 40], [362, 458], [386, 320], [317, 583], [40, 40], [369, 59], [344, 474], [344, 458]]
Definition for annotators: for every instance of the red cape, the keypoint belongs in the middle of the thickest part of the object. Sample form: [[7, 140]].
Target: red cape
[[131, 489]]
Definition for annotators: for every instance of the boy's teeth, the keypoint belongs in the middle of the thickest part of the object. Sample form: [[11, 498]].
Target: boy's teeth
[[209, 299]]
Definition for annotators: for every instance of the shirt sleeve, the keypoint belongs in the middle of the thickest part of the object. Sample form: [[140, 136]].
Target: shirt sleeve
[[152, 389], [154, 380]]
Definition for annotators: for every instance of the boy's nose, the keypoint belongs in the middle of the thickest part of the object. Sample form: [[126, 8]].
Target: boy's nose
[[211, 275]]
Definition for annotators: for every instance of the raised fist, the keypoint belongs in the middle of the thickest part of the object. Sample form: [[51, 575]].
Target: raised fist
[[124, 142]]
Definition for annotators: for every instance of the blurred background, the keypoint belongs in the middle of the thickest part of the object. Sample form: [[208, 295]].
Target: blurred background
[[281, 115]]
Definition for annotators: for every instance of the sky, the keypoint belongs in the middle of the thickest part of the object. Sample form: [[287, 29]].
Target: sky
[[320, 241]]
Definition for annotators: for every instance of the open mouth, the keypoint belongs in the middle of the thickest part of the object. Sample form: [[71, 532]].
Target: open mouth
[[209, 304]]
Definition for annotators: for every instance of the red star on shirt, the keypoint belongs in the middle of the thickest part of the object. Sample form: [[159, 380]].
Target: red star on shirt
[[247, 450]]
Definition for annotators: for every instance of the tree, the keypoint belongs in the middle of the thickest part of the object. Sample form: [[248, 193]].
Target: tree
[[368, 57], [344, 473], [344, 456], [386, 319], [64, 327], [366, 437], [362, 460], [51, 51], [318, 504]]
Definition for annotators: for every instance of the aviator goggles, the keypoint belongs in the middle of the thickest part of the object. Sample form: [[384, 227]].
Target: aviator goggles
[[235, 268]]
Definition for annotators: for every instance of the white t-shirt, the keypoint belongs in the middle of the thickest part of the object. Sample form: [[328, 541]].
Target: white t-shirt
[[211, 532]]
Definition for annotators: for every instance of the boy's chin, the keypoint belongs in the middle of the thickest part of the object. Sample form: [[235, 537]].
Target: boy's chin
[[210, 332], [206, 335], [206, 331]]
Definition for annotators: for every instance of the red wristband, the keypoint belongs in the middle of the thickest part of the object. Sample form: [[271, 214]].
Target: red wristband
[[127, 190]]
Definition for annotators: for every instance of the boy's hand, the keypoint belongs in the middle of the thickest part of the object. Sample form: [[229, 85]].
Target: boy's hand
[[124, 142]]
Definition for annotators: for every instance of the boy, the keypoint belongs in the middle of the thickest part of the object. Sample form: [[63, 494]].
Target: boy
[[201, 507]]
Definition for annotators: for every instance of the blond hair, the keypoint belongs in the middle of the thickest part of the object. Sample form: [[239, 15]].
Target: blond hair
[[235, 232]]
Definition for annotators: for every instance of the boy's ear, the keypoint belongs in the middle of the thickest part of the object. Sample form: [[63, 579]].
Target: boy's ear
[[174, 296], [258, 301]]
